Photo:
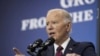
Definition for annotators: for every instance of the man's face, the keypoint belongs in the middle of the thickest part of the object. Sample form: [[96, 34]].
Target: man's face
[[56, 26]]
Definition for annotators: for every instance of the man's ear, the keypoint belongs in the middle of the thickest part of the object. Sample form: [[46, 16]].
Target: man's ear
[[68, 26]]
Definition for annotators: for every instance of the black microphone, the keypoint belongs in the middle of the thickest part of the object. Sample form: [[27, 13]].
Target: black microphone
[[39, 46], [35, 45], [47, 43]]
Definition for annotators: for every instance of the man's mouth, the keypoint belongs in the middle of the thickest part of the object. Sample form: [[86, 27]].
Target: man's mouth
[[51, 33]]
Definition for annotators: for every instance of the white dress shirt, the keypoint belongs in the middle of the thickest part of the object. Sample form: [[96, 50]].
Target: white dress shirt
[[64, 45]]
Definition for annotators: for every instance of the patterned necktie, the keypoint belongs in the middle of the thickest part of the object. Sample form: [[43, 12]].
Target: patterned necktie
[[59, 51]]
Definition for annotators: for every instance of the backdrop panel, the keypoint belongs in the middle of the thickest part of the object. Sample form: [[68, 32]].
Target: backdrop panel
[[22, 22]]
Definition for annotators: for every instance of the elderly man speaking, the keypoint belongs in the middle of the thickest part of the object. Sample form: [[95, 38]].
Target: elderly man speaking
[[58, 26]]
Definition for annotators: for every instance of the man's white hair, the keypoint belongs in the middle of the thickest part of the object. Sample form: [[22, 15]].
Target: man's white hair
[[63, 12]]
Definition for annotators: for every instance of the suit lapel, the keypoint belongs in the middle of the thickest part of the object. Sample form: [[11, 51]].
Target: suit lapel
[[70, 47]]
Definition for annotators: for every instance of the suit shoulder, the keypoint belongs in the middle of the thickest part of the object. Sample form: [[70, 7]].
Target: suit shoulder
[[86, 44], [82, 46]]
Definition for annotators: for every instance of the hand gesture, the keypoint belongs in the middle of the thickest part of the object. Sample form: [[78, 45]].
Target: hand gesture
[[17, 52]]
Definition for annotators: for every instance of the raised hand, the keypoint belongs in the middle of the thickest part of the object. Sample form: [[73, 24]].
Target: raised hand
[[17, 52], [72, 54]]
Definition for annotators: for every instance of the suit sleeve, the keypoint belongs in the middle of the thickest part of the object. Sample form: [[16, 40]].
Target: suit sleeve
[[89, 51], [85, 49]]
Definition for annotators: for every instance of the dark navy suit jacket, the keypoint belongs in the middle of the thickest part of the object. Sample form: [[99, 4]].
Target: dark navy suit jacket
[[81, 48]]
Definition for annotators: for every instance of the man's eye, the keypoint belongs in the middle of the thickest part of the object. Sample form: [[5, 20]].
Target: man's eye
[[54, 22]]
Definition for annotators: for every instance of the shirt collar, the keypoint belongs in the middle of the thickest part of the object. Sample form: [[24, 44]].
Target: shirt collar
[[64, 45]]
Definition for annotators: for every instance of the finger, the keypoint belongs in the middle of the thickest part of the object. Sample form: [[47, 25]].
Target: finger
[[68, 54], [19, 55], [74, 54], [16, 51]]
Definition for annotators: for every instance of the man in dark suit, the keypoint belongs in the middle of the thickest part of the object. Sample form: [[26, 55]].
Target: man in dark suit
[[58, 26], [74, 49]]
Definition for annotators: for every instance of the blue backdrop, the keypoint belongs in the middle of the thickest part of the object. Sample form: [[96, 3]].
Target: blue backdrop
[[22, 22]]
